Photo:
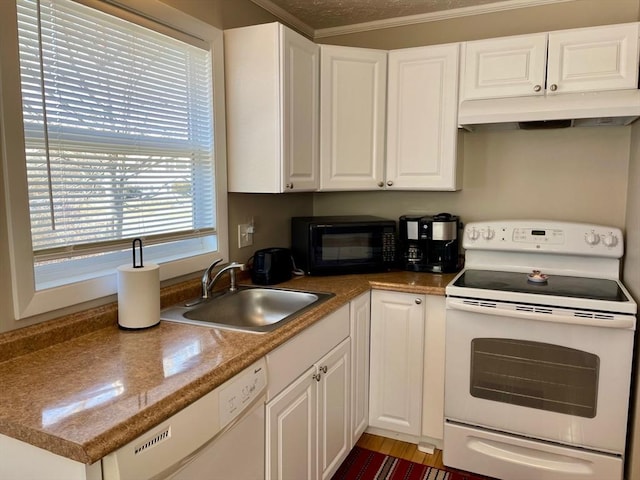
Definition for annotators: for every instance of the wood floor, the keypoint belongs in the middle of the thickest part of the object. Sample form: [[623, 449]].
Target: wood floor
[[400, 449], [405, 450]]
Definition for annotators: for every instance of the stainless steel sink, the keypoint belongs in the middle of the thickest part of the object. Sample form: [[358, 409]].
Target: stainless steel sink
[[249, 309]]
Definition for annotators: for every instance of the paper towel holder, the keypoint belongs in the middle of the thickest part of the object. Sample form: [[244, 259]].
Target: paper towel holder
[[138, 292], [138, 242]]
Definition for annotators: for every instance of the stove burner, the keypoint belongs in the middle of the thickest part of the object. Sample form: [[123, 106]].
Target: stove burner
[[556, 285]]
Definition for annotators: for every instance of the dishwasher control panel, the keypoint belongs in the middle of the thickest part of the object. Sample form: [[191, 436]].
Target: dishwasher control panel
[[241, 392]]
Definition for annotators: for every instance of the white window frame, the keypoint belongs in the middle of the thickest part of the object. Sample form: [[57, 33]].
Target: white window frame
[[27, 301]]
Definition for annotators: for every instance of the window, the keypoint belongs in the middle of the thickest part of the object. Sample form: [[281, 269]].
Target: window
[[119, 132]]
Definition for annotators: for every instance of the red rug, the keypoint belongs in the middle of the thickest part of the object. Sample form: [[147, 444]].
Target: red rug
[[363, 464]]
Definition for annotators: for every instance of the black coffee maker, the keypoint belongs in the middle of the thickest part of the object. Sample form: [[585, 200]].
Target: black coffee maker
[[430, 243]]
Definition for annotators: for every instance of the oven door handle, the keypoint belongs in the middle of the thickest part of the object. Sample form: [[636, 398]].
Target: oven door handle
[[622, 323]]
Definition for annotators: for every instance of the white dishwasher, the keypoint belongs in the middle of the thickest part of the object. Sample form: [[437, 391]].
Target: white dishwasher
[[220, 436]]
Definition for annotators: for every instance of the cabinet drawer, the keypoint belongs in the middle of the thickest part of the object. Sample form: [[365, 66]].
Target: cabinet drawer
[[291, 359]]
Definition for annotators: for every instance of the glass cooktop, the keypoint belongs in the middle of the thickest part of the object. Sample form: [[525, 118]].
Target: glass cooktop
[[557, 285]]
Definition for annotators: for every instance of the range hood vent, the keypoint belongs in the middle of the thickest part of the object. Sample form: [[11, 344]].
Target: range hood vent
[[590, 109]]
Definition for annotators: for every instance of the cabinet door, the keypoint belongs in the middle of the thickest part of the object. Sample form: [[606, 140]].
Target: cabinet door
[[396, 371], [352, 117], [504, 67], [300, 91], [422, 127], [272, 88], [291, 431], [360, 328], [592, 59], [334, 379]]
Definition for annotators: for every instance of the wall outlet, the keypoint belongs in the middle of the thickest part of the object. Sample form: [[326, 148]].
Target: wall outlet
[[245, 235]]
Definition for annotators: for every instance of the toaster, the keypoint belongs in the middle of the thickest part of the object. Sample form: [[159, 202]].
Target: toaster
[[271, 266]]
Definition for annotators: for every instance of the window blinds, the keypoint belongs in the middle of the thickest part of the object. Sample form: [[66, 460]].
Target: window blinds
[[118, 131]]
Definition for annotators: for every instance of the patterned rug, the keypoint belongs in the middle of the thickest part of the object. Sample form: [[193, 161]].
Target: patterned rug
[[362, 464]]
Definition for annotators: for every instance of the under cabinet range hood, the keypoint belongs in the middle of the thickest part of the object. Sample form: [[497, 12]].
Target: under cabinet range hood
[[604, 108]]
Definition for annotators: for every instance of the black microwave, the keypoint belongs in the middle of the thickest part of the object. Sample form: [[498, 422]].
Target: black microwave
[[334, 245]]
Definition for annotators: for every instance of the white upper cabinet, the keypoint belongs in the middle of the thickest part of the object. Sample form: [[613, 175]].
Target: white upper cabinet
[[592, 59], [504, 67], [422, 128], [353, 90], [272, 87], [566, 61]]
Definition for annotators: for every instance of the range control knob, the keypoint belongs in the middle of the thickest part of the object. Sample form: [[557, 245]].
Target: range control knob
[[610, 240], [488, 234], [592, 238], [473, 233]]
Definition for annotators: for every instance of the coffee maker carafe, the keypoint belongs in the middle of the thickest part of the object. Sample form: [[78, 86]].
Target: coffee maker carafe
[[430, 243]]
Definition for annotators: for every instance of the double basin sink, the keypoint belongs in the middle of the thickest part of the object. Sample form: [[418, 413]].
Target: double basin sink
[[247, 309]]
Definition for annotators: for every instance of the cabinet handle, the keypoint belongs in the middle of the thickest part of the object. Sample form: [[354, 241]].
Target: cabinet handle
[[389, 183], [418, 301], [289, 186], [317, 377], [537, 88], [381, 184], [323, 369], [554, 87]]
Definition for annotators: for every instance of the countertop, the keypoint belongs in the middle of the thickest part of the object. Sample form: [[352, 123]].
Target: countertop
[[81, 387]]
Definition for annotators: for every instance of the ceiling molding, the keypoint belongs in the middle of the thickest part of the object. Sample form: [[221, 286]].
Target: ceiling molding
[[301, 26], [286, 17], [500, 6]]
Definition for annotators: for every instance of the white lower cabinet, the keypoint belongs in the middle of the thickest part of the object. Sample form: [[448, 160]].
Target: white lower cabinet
[[21, 460], [308, 422], [396, 367], [291, 430], [334, 383]]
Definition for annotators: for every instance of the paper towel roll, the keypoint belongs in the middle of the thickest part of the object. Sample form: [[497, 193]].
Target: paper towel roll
[[138, 296]]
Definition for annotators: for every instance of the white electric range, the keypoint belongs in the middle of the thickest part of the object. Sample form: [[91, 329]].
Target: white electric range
[[539, 347]]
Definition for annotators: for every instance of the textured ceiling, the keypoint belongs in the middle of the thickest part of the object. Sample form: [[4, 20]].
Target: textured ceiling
[[320, 14]]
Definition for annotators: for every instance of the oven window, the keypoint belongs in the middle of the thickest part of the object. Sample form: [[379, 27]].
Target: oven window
[[536, 375]]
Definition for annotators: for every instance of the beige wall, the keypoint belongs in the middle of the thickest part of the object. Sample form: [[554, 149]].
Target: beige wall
[[272, 219], [574, 14], [577, 174], [223, 13]]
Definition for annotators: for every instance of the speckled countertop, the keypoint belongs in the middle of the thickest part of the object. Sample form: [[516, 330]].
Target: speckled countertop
[[81, 387]]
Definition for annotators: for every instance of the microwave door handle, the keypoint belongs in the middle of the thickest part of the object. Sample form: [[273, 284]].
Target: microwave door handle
[[623, 323]]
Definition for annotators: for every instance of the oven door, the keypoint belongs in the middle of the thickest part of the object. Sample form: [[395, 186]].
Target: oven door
[[532, 376]]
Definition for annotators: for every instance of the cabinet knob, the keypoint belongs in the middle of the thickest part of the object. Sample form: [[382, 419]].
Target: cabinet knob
[[289, 185], [389, 183], [323, 369], [537, 88], [418, 301], [317, 376], [553, 87], [381, 184]]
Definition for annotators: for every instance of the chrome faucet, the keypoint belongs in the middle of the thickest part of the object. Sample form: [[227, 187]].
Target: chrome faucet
[[208, 284]]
